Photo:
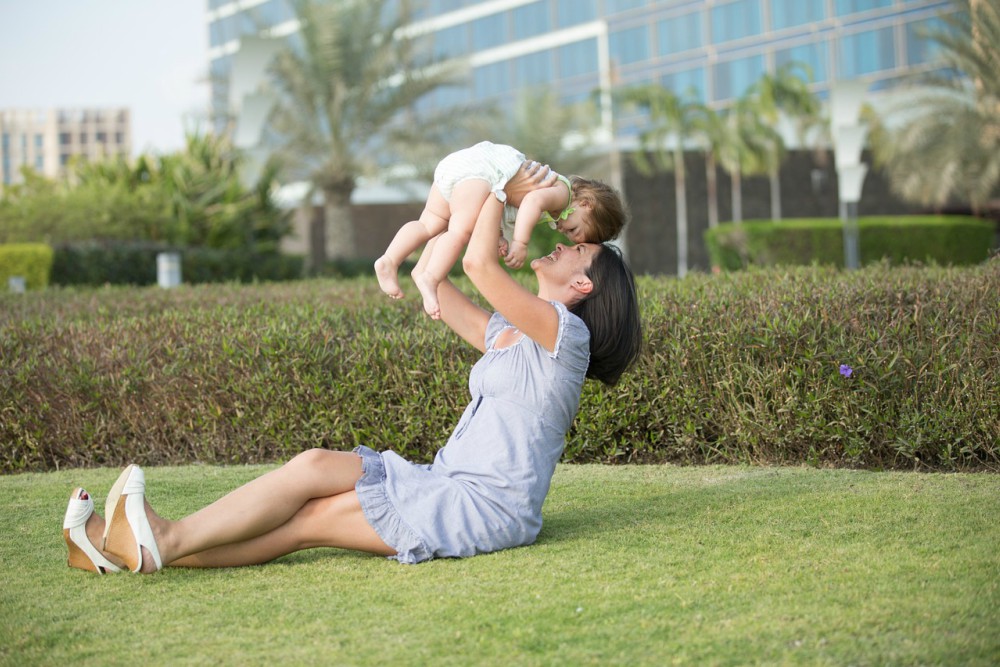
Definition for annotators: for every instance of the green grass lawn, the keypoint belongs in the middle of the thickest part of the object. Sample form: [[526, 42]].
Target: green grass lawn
[[635, 566]]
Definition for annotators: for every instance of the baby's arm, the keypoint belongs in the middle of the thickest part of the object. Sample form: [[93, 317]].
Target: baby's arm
[[553, 198]]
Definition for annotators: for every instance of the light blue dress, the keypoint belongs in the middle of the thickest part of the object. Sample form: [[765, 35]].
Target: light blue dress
[[485, 489]]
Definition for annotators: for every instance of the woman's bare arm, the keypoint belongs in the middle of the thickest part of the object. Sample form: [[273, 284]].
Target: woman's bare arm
[[463, 316], [536, 318]]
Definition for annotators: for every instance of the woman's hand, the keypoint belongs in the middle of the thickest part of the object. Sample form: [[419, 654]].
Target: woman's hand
[[531, 176]]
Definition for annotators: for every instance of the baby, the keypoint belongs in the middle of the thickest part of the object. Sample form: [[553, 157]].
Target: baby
[[582, 209]]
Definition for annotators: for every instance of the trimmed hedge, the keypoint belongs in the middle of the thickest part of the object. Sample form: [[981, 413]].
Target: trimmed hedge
[[741, 367], [957, 240], [31, 261], [135, 264]]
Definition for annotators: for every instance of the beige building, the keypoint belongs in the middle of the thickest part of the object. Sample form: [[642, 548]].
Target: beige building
[[47, 140]]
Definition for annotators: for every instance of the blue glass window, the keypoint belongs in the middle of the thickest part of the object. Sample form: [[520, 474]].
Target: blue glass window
[[736, 20], [680, 33], [444, 97], [813, 56], [789, 13], [572, 12], [851, 6], [39, 163], [629, 46], [488, 32], [533, 69], [216, 33], [443, 6], [452, 42], [274, 12], [240, 23], [491, 80], [577, 59], [531, 20], [919, 47], [39, 139], [732, 78], [615, 6], [867, 52], [688, 83]]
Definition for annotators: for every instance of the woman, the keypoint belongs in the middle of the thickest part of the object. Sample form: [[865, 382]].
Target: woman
[[485, 489]]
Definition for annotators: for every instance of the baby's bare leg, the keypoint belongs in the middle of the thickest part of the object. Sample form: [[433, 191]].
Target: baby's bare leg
[[467, 201], [433, 220]]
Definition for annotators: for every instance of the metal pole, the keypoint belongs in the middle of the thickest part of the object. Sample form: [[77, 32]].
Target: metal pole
[[852, 253]]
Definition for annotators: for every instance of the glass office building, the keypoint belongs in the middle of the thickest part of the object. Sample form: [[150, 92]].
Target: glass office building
[[709, 49]]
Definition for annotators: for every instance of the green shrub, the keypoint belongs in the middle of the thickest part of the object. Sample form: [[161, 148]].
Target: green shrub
[[31, 261], [740, 367], [135, 264], [957, 240]]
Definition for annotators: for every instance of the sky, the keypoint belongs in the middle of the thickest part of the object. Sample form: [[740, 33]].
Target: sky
[[148, 55]]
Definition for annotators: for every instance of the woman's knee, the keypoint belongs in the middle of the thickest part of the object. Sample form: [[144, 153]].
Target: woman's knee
[[323, 471], [309, 462], [310, 458]]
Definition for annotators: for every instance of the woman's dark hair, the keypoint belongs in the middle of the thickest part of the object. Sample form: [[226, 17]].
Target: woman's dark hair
[[611, 312]]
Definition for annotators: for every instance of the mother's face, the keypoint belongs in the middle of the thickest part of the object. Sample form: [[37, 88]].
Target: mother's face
[[566, 264]]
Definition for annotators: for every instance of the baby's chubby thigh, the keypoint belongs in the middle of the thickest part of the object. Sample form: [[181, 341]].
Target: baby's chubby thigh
[[467, 199]]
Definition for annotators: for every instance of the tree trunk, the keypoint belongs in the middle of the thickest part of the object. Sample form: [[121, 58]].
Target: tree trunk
[[339, 227], [316, 237], [680, 181], [711, 185], [737, 196], [775, 193]]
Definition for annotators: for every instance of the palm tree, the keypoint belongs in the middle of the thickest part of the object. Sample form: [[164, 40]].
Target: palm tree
[[748, 146], [711, 131], [784, 93], [344, 95], [671, 119], [947, 145]]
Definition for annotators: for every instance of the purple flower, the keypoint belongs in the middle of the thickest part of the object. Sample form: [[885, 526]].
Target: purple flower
[[846, 370]]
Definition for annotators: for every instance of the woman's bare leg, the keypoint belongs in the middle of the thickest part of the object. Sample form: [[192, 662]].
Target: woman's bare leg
[[334, 521], [258, 507], [433, 220], [467, 201]]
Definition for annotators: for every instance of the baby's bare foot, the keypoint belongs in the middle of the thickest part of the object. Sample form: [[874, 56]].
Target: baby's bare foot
[[388, 279], [428, 289]]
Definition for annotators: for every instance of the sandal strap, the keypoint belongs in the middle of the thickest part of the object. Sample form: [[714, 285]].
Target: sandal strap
[[79, 509]]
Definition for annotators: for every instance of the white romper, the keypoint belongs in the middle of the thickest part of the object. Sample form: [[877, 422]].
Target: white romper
[[494, 163]]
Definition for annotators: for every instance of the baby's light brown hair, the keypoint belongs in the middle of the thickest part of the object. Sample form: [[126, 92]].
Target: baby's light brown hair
[[608, 212]]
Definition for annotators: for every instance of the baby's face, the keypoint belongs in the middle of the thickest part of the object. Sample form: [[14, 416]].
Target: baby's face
[[576, 226]]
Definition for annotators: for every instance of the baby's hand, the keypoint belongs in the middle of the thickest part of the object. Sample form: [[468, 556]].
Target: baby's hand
[[502, 249], [515, 256]]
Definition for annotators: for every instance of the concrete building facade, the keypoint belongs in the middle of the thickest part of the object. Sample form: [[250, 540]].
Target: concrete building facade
[[47, 140]]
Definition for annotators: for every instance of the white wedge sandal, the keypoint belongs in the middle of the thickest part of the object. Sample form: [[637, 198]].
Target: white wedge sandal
[[127, 529], [82, 552]]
